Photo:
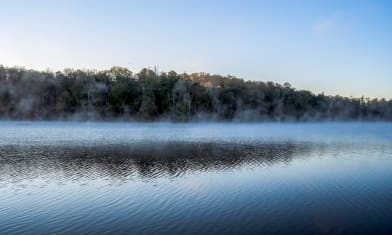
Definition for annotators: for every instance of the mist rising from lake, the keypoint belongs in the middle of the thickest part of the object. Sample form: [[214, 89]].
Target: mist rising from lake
[[161, 178]]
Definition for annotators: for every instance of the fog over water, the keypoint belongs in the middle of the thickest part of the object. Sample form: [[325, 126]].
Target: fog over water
[[206, 178], [96, 133]]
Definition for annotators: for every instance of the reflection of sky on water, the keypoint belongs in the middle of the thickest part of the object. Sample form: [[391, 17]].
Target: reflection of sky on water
[[79, 133], [189, 182]]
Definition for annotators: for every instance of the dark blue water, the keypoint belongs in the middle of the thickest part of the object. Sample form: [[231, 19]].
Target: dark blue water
[[117, 178]]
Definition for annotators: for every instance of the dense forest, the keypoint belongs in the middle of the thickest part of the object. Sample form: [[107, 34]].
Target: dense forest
[[149, 95]]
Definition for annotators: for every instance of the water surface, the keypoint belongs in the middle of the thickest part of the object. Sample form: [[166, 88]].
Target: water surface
[[228, 178]]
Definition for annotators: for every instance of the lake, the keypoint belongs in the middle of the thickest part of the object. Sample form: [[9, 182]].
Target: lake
[[204, 178]]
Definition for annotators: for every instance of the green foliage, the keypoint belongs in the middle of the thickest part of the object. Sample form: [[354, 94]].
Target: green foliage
[[149, 95]]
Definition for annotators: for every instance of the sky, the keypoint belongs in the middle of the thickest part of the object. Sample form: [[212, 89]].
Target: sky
[[336, 47]]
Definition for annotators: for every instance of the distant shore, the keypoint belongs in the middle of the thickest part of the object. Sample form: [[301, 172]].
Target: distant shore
[[118, 94]]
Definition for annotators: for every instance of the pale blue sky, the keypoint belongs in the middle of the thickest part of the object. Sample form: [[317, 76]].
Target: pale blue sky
[[339, 47]]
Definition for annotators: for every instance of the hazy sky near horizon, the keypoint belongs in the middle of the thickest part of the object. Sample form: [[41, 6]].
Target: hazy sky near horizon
[[339, 47]]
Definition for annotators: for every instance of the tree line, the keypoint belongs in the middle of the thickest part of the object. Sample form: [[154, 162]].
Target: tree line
[[118, 93]]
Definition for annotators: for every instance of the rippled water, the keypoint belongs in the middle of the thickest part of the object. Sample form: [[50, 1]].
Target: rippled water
[[134, 178]]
